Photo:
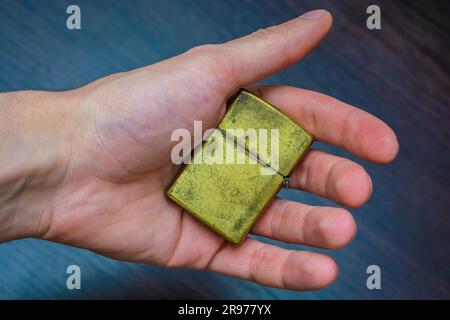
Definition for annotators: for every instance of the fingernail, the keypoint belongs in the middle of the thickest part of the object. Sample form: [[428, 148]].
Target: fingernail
[[314, 14]]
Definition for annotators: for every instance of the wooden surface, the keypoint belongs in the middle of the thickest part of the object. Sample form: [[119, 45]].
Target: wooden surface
[[399, 73]]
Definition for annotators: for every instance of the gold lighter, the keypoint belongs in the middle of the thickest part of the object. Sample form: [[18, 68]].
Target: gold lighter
[[241, 166]]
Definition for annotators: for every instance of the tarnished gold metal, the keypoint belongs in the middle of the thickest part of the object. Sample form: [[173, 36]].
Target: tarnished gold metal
[[249, 111], [229, 197]]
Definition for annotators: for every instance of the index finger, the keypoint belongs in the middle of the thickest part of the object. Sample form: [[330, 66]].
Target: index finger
[[335, 122]]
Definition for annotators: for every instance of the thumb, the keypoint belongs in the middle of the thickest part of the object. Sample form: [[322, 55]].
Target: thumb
[[258, 55]]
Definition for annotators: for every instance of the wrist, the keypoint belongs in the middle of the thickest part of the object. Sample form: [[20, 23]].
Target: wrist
[[35, 148]]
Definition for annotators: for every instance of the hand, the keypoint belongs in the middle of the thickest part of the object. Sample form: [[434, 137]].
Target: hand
[[97, 176]]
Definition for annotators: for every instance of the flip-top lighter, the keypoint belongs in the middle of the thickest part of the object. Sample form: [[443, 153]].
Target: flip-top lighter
[[228, 196]]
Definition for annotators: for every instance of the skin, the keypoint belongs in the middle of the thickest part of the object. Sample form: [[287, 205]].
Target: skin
[[89, 167]]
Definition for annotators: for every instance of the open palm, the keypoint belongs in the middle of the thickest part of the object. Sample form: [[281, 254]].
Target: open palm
[[112, 199]]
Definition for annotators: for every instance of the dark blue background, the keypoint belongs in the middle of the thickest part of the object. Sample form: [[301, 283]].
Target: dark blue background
[[399, 73]]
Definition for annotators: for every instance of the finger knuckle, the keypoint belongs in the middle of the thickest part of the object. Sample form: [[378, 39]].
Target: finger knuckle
[[214, 63], [203, 50], [265, 32]]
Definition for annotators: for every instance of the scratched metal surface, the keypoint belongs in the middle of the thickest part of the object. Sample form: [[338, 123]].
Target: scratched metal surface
[[399, 74]]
